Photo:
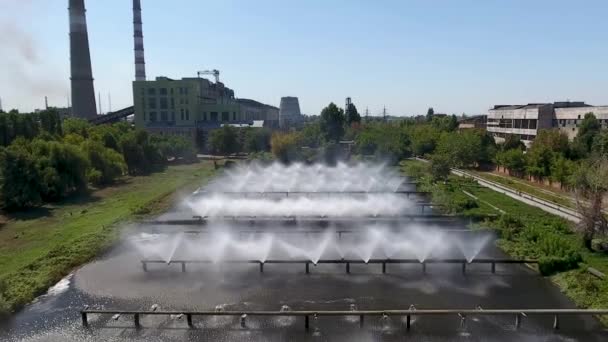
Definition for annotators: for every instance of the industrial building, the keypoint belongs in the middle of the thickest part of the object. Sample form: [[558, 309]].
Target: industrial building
[[526, 120], [193, 106]]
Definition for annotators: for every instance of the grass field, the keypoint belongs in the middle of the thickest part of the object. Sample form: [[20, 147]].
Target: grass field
[[586, 290], [39, 247]]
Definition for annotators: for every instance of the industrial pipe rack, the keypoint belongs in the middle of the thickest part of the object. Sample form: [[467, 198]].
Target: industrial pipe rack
[[293, 220], [462, 314], [347, 262], [306, 193], [306, 232]]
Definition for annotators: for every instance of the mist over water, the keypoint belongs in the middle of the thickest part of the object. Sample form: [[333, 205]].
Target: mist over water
[[307, 178], [315, 190], [329, 206], [373, 242], [322, 191]]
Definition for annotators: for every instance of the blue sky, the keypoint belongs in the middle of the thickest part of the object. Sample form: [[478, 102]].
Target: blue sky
[[457, 56]]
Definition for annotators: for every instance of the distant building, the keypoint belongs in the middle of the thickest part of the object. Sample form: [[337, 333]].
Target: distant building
[[193, 106], [525, 120], [289, 112], [469, 122], [253, 110]]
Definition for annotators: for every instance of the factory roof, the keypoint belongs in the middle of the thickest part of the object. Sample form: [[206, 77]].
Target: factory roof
[[254, 103], [561, 104]]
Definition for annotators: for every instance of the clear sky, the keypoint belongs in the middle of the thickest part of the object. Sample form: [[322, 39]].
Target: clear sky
[[456, 56]]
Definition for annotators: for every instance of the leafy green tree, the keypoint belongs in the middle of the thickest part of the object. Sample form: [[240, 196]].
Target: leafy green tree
[[424, 139], [445, 123], [352, 115], [62, 168], [512, 141], [332, 122], [106, 164], [440, 166], [224, 141], [588, 129], [139, 153], [19, 178], [562, 170], [50, 121], [257, 140], [174, 146], [312, 136], [600, 144], [538, 162], [548, 146], [554, 140], [133, 154], [514, 160], [591, 183], [463, 148], [284, 146], [76, 126], [14, 125], [384, 140], [107, 134]]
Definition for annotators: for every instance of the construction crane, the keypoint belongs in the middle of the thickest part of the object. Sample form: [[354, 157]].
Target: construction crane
[[214, 72]]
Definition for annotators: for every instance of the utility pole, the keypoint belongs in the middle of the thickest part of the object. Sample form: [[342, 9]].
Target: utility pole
[[384, 113], [366, 113]]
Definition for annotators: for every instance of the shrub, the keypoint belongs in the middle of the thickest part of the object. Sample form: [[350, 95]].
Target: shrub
[[509, 226], [549, 265], [284, 146], [95, 177]]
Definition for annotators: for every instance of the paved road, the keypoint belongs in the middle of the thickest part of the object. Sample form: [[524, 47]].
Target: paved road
[[547, 206]]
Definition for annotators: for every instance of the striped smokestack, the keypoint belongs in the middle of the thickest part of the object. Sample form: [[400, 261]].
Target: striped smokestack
[[83, 94], [138, 40]]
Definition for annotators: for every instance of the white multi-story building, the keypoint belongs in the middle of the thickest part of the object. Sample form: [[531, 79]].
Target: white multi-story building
[[526, 120]]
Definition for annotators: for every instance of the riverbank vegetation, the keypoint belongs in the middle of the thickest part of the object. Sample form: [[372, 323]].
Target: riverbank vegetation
[[523, 231], [44, 244], [44, 159]]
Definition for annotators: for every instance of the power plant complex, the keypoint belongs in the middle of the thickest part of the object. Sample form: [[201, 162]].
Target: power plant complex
[[191, 106]]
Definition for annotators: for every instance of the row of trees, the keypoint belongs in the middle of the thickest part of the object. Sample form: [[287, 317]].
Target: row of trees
[[44, 159], [551, 156], [390, 141], [228, 140]]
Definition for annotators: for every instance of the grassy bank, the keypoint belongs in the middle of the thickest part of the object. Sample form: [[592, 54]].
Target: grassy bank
[[530, 188], [39, 247], [525, 232]]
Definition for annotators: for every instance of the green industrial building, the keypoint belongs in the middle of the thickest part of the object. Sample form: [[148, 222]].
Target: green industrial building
[[193, 106]]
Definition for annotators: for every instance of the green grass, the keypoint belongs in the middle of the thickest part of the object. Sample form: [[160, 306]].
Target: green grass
[[39, 247], [534, 190], [586, 290]]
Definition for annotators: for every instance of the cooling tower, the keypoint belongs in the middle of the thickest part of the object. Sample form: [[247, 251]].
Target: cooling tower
[[289, 111], [83, 94], [138, 41]]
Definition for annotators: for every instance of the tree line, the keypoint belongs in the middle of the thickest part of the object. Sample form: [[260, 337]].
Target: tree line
[[44, 158]]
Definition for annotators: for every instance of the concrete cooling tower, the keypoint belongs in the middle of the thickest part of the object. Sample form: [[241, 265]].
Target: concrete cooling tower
[[289, 111]]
